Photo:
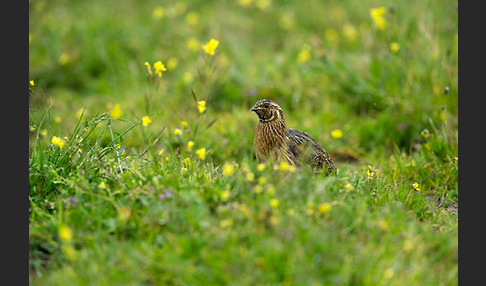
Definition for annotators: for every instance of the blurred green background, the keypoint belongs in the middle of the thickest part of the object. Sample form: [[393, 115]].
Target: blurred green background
[[89, 53]]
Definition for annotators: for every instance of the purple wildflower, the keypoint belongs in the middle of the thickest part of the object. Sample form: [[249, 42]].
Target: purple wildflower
[[160, 196], [168, 194]]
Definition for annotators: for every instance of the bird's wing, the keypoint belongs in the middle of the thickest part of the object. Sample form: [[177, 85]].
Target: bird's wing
[[302, 139], [300, 142]]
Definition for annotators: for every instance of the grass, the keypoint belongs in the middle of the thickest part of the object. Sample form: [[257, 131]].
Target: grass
[[124, 202]]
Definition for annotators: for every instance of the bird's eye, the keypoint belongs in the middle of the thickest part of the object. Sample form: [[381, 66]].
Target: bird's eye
[[265, 105]]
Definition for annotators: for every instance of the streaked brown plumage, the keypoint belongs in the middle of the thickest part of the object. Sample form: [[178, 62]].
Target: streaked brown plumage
[[276, 141]]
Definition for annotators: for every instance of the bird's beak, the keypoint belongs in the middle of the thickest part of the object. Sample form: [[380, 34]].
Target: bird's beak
[[253, 109]]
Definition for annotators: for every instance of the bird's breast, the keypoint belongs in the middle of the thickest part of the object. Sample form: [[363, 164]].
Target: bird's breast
[[269, 140]]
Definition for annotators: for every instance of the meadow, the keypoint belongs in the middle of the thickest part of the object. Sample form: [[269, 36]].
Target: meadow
[[141, 164]]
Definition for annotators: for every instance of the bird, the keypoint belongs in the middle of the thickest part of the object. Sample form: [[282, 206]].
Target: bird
[[275, 141]]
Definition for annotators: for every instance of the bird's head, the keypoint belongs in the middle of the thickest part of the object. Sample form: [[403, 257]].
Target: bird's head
[[267, 110]]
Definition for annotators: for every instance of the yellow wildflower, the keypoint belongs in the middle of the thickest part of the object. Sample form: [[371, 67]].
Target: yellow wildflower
[[180, 8], [407, 245], [274, 203], [190, 144], [309, 211], [192, 18], [69, 251], [349, 32], [284, 166], [116, 111], [58, 141], [183, 170], [245, 3], [394, 47], [383, 224], [348, 187], [224, 196], [63, 59], [324, 208], [188, 77], [245, 210], [177, 131], [331, 36], [262, 181], [336, 133], [286, 21], [443, 115], [228, 169], [158, 13], [258, 189], [304, 54], [201, 106], [291, 212], [261, 167], [193, 44], [210, 46], [57, 119], [146, 120], [201, 153], [263, 4], [371, 173], [416, 186], [245, 167], [187, 161], [226, 223], [292, 168], [159, 68], [377, 16], [425, 133], [389, 273], [31, 82], [310, 208], [172, 63], [250, 176], [274, 219], [184, 124], [102, 185], [271, 190], [149, 69], [65, 233], [456, 158]]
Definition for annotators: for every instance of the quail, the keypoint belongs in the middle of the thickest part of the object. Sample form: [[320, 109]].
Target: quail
[[274, 140]]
